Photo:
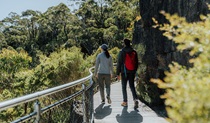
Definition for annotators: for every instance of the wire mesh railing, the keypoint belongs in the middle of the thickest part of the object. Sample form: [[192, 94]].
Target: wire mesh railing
[[68, 103]]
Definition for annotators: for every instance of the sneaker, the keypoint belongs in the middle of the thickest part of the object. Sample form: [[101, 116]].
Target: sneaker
[[136, 104], [125, 104], [109, 100], [103, 101]]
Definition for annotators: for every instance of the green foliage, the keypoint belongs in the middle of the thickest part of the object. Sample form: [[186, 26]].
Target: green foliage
[[35, 63], [187, 89], [3, 43], [40, 32], [106, 22], [62, 66], [140, 49], [114, 53], [11, 62], [94, 23]]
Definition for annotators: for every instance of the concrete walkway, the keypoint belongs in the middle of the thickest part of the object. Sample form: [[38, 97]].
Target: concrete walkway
[[115, 113]]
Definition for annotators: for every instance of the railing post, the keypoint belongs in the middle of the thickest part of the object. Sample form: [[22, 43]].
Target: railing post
[[91, 103], [83, 105], [37, 109]]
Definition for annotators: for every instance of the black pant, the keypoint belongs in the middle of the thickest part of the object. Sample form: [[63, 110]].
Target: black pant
[[124, 79]]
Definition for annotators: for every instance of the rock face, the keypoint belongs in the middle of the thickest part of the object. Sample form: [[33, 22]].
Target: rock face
[[160, 52]]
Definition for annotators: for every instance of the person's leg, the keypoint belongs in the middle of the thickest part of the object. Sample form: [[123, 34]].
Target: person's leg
[[101, 86], [124, 87], [108, 86], [131, 77]]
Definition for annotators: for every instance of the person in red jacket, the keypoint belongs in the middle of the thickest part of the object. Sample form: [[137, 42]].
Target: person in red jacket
[[127, 73]]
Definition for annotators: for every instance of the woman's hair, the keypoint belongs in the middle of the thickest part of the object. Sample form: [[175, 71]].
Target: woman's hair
[[107, 53], [105, 47]]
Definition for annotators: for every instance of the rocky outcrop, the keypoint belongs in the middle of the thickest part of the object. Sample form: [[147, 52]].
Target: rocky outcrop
[[160, 52]]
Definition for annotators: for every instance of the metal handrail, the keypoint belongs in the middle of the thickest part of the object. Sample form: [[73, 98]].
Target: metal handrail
[[34, 96]]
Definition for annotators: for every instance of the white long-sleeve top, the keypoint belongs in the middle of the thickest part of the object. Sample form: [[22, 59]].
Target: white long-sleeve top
[[103, 64]]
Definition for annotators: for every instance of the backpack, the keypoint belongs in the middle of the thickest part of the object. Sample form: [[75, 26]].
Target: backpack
[[130, 60]]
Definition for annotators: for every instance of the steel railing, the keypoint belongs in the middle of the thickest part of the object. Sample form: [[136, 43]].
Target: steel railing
[[38, 111]]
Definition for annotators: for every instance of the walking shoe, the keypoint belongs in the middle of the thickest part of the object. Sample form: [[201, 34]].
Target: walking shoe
[[109, 100], [125, 104], [103, 101], [136, 104]]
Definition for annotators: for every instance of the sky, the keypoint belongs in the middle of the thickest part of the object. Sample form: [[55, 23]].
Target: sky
[[18, 6]]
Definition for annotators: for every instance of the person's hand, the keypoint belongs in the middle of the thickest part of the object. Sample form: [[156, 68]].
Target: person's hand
[[136, 79], [111, 75], [118, 77], [96, 75]]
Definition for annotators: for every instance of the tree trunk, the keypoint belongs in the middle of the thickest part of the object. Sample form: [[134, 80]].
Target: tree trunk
[[160, 52]]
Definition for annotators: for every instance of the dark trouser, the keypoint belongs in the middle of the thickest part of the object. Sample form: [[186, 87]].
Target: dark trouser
[[129, 77], [104, 79]]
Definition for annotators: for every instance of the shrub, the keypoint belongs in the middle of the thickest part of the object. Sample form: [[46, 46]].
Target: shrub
[[62, 66], [187, 89]]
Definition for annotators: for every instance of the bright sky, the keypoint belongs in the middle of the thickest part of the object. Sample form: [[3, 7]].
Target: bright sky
[[18, 6]]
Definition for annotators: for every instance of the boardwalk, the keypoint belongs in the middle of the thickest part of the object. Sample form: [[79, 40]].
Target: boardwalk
[[115, 113]]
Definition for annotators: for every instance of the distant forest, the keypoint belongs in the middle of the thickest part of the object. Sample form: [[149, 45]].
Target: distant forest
[[38, 49], [43, 50]]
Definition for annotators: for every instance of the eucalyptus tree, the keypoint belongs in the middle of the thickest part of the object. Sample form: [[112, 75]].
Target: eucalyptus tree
[[13, 31], [49, 30], [55, 28], [91, 25], [106, 21], [18, 30], [3, 43], [123, 15], [30, 18], [2, 37]]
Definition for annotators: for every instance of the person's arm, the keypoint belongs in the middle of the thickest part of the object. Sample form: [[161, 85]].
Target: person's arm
[[111, 67]]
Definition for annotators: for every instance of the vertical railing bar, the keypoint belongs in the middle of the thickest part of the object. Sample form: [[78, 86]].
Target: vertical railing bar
[[92, 102], [37, 109], [83, 105]]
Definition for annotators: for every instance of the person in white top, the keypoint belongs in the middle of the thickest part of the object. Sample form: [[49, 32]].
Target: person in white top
[[104, 72]]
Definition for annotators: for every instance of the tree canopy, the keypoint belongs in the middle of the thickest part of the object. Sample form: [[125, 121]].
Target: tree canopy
[[43, 50]]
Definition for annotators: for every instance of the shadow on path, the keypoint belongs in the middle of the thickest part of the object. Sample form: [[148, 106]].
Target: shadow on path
[[129, 117], [102, 111]]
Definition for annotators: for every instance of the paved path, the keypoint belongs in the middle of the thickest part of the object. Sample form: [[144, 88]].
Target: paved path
[[115, 113]]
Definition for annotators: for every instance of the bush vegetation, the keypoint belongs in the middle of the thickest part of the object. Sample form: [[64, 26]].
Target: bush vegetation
[[187, 89], [60, 67]]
